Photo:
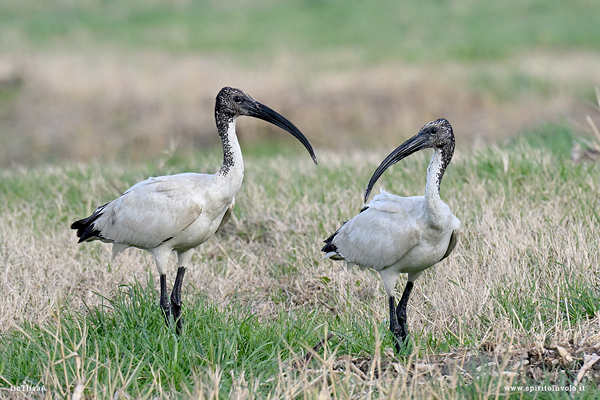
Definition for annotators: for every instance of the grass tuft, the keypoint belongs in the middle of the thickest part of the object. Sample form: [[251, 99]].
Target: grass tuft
[[521, 285]]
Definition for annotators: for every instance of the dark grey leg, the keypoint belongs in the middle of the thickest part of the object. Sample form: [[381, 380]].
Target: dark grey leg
[[165, 304], [176, 300], [401, 312], [394, 326]]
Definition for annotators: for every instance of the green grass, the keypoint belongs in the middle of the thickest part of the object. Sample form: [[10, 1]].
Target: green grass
[[524, 273], [124, 342], [415, 30], [577, 299], [558, 138]]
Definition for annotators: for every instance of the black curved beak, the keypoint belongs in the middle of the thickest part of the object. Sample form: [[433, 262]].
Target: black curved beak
[[412, 145], [258, 110]]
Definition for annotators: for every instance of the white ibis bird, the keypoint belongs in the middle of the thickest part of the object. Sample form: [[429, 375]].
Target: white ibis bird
[[394, 234], [179, 212]]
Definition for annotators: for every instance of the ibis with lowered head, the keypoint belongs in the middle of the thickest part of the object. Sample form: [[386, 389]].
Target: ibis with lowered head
[[180, 212], [394, 234]]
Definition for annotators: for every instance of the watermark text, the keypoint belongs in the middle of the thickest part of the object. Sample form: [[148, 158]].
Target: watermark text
[[25, 387], [545, 388]]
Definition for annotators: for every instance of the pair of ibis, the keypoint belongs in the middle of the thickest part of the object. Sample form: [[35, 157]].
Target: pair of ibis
[[391, 234]]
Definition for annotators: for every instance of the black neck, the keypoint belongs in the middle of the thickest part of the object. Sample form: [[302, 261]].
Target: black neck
[[447, 153], [223, 120]]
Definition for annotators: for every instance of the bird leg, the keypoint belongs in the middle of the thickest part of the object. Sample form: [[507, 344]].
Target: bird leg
[[401, 312], [394, 326], [176, 299], [165, 304], [393, 318]]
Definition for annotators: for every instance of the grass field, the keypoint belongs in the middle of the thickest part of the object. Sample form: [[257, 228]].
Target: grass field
[[516, 304], [96, 95], [121, 80], [429, 30]]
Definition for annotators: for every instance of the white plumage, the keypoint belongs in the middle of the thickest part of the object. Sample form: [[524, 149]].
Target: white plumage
[[180, 212], [171, 212], [394, 234]]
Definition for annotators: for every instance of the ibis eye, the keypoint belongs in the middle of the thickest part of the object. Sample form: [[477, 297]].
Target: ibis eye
[[434, 130], [237, 99]]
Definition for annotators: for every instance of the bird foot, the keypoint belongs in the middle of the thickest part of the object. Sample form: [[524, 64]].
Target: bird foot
[[166, 310], [176, 300], [401, 342], [401, 336], [177, 317]]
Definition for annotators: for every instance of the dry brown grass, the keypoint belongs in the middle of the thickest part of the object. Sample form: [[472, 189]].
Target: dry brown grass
[[113, 106], [529, 230]]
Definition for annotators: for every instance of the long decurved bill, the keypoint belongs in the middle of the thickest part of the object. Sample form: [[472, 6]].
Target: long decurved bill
[[258, 110], [412, 145]]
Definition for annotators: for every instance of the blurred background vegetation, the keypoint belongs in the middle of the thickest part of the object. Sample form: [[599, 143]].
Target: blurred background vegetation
[[130, 79]]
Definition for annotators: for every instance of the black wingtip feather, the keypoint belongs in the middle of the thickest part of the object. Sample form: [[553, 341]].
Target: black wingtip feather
[[329, 246], [85, 227]]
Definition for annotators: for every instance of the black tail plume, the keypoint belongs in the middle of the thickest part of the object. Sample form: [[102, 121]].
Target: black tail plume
[[85, 227]]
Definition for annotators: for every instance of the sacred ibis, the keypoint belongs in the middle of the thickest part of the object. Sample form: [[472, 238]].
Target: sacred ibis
[[179, 212], [394, 234]]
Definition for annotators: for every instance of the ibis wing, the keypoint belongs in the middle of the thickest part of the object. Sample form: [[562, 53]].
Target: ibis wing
[[151, 212], [452, 244], [227, 215], [377, 238]]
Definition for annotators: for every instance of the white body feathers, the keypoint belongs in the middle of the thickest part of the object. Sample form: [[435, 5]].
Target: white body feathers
[[173, 212], [395, 235]]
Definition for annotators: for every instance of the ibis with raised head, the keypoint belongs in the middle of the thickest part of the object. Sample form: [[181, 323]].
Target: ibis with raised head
[[394, 234], [180, 212]]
